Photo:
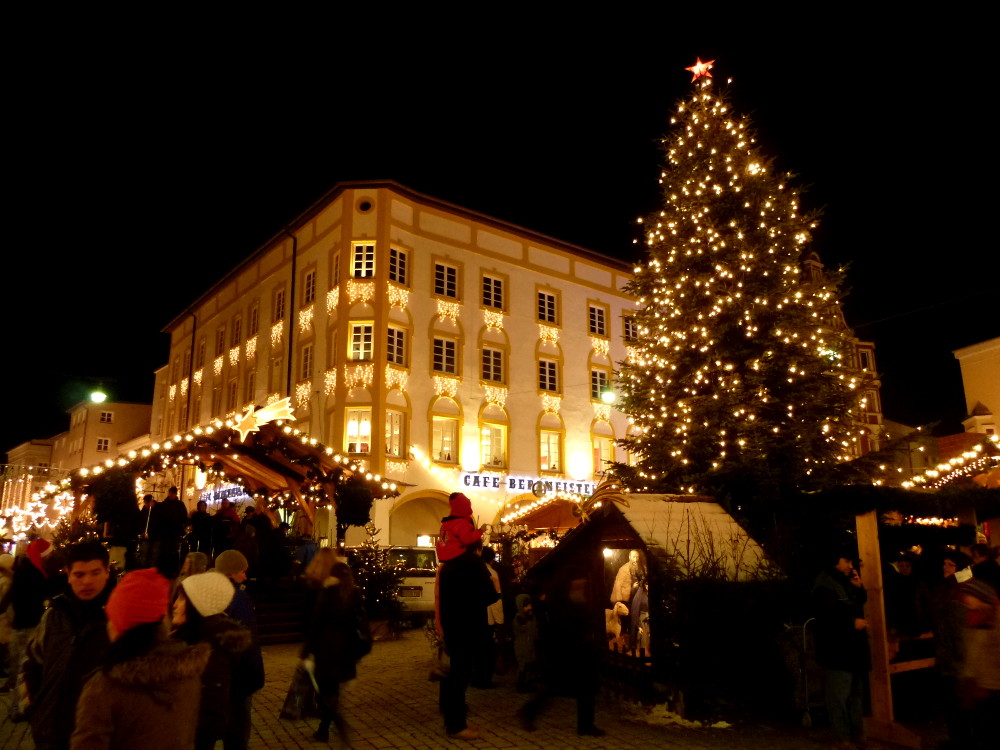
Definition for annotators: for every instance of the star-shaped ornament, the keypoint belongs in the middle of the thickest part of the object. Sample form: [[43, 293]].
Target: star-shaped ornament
[[700, 69], [251, 421]]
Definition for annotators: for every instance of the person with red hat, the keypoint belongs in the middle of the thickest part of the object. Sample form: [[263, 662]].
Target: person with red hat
[[146, 692], [463, 591]]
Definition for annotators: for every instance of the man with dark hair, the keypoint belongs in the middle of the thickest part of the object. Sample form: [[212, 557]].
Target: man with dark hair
[[464, 591], [984, 566], [69, 643], [842, 645], [168, 525]]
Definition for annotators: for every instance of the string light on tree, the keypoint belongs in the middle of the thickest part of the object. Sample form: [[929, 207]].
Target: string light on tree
[[740, 372]]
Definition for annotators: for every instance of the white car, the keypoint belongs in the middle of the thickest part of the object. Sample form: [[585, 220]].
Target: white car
[[416, 589]]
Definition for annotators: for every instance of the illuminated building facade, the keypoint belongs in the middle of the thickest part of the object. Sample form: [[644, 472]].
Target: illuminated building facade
[[441, 348]]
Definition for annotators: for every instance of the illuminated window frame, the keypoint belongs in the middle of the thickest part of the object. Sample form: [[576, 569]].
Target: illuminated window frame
[[362, 342], [358, 430], [362, 260], [444, 439], [550, 451]]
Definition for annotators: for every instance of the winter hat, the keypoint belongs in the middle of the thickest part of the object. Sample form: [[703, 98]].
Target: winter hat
[[140, 597], [231, 562], [6, 561], [210, 592], [38, 549], [460, 505]]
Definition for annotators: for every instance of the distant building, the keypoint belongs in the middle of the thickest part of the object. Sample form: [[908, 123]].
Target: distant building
[[96, 433], [860, 358], [980, 365]]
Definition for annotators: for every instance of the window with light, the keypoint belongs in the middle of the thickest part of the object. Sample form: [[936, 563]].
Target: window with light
[[363, 261], [362, 342], [359, 430], [493, 441], [444, 440], [550, 459], [394, 433]]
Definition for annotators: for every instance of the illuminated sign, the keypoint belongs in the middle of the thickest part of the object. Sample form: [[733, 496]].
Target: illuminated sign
[[493, 481]]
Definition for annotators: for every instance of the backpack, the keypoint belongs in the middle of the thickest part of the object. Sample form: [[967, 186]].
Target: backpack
[[361, 633]]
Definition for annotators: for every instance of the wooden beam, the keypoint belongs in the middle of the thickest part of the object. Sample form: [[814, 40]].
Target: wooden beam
[[881, 725]]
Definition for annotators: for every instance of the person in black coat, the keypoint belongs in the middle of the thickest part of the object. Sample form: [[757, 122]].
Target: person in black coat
[[199, 617], [567, 650], [465, 590], [329, 648], [842, 645]]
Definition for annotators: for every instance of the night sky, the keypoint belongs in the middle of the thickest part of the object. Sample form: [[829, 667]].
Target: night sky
[[143, 164]]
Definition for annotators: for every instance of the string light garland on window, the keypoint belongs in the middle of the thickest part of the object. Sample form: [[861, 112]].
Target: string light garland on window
[[217, 366], [395, 377], [302, 392], [360, 291], [305, 318], [495, 395], [448, 310], [398, 297], [251, 348], [548, 333], [330, 381], [332, 299], [234, 357], [445, 386], [551, 404], [493, 320], [359, 375], [600, 346], [276, 332]]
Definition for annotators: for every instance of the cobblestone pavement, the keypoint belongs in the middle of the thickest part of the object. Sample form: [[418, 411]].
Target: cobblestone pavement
[[393, 704]]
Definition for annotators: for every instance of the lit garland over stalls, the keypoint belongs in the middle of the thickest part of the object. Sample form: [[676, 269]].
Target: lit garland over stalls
[[740, 382], [273, 462]]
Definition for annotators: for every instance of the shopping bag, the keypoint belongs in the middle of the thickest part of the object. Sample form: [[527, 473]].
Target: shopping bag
[[300, 702]]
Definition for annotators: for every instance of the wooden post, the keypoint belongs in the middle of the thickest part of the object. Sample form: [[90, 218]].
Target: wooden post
[[881, 725]]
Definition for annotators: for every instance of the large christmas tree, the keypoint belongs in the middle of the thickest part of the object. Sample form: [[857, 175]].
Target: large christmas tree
[[739, 381]]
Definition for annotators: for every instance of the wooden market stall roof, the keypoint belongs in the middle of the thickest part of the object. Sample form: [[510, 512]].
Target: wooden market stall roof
[[267, 456], [694, 532]]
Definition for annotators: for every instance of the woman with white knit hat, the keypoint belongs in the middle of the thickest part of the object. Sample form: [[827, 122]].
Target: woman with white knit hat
[[199, 617]]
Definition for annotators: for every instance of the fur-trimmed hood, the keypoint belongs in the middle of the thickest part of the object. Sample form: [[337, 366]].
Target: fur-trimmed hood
[[166, 663], [227, 634]]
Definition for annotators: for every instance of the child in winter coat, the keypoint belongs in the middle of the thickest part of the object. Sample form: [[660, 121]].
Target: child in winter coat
[[457, 530], [525, 638]]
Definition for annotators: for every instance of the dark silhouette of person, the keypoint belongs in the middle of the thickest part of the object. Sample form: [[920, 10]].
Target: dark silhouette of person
[[568, 650]]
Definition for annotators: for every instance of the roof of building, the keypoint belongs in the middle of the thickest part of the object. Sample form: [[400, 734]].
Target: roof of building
[[402, 190]]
